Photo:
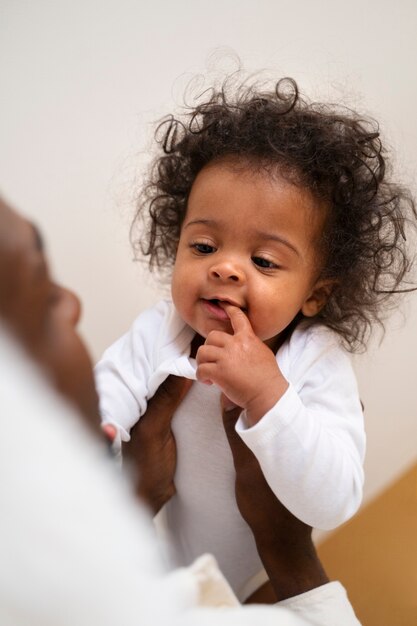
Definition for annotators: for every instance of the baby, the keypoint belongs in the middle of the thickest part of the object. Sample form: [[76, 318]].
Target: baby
[[286, 241]]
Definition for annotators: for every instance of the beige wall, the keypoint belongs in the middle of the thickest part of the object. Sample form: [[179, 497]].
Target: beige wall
[[81, 82]]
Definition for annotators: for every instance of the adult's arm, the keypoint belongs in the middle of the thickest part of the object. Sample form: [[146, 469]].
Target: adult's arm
[[284, 543]]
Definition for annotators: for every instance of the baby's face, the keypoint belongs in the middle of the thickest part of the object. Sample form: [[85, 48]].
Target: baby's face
[[250, 240]]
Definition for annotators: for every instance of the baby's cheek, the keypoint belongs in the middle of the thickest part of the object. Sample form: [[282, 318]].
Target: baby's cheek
[[261, 326], [183, 305], [267, 329], [177, 293]]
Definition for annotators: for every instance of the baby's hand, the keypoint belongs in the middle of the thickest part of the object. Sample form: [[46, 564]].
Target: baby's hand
[[242, 366]]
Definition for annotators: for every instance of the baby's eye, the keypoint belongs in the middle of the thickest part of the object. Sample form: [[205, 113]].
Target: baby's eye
[[203, 248], [264, 263]]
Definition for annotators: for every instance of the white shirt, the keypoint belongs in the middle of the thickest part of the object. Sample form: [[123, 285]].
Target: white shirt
[[310, 445]]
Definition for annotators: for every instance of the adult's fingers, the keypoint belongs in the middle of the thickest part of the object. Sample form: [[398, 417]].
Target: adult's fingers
[[155, 424], [242, 456], [167, 399], [152, 449]]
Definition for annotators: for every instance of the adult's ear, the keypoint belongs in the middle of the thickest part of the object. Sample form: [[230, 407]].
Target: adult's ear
[[318, 297]]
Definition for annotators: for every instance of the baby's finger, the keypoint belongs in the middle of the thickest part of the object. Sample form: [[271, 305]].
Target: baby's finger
[[207, 354], [238, 319], [207, 373], [217, 338]]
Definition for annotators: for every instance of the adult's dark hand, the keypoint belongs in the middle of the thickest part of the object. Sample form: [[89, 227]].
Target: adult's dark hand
[[152, 451], [284, 542]]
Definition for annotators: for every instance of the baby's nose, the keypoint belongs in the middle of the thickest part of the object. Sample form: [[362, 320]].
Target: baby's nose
[[227, 271]]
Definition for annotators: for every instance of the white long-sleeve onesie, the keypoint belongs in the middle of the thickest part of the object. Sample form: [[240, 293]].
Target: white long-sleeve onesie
[[310, 445]]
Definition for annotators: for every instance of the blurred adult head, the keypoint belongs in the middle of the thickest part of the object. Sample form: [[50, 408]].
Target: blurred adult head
[[42, 314]]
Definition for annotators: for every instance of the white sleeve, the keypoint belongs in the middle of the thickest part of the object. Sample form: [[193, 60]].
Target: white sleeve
[[124, 370], [311, 444]]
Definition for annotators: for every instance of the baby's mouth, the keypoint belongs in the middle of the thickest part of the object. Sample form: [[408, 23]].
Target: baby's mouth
[[220, 303]]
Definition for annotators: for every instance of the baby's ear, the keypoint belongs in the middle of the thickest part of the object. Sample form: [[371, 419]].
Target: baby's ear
[[318, 297]]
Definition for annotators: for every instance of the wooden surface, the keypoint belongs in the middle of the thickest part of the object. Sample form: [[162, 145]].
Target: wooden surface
[[375, 556]]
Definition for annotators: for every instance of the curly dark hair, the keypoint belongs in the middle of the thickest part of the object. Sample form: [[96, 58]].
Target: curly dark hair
[[330, 150]]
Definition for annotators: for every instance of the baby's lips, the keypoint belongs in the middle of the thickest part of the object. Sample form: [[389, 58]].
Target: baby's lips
[[229, 306], [224, 304]]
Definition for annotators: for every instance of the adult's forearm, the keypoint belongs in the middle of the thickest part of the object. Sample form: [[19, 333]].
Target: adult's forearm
[[284, 542], [291, 568]]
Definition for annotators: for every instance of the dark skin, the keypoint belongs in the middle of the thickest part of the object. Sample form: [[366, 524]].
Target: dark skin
[[152, 450], [43, 316], [284, 543]]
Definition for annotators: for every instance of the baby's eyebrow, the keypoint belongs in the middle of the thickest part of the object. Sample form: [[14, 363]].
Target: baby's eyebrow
[[278, 239], [206, 222]]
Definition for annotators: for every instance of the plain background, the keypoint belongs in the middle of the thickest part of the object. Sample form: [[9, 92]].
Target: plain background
[[82, 84]]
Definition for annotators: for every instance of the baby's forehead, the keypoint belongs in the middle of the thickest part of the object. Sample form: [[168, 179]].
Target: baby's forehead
[[256, 207], [222, 177]]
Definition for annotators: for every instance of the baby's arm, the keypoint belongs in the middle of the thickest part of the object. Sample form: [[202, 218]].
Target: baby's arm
[[310, 443], [122, 375]]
